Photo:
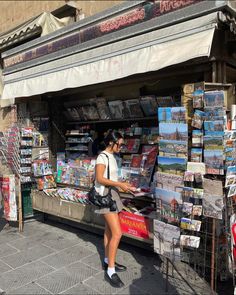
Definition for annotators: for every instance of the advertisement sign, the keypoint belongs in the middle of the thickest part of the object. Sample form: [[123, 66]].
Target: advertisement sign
[[134, 225], [7, 186]]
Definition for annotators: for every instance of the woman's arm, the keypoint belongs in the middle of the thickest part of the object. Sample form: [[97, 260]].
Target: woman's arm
[[100, 169]]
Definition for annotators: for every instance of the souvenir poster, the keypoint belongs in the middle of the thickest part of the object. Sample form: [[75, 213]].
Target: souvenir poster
[[149, 105], [190, 224], [103, 110], [198, 118], [189, 241], [212, 205], [213, 141], [197, 138], [173, 148], [172, 165], [214, 160], [165, 101], [166, 240], [169, 182], [169, 205], [214, 113], [116, 108], [214, 125], [196, 155], [198, 99], [134, 108], [173, 131], [7, 187], [214, 98]]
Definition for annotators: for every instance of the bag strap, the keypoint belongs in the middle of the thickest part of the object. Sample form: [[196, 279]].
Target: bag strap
[[108, 167]]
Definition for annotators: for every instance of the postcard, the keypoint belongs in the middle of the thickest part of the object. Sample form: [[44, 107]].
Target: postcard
[[190, 224], [214, 187], [172, 165], [198, 177], [214, 159], [197, 138], [173, 148], [175, 114], [189, 241], [196, 167], [231, 170], [166, 240], [149, 105], [198, 118], [189, 176], [230, 180], [196, 155], [165, 101], [164, 114], [214, 113], [187, 208], [197, 210], [212, 205], [198, 193], [232, 190], [198, 99], [188, 194], [169, 204], [214, 98], [212, 142], [173, 131], [217, 125], [168, 181]]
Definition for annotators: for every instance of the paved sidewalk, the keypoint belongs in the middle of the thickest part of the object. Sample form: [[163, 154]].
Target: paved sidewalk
[[51, 258]]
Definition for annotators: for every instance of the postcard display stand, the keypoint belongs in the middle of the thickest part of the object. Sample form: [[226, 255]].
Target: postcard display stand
[[196, 156]]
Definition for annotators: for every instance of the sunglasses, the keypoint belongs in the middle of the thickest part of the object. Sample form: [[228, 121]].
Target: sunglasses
[[120, 145]]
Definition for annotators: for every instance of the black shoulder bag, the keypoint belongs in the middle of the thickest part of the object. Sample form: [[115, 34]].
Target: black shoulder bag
[[103, 201]]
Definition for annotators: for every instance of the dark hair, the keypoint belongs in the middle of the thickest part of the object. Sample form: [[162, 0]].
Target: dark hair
[[112, 136]]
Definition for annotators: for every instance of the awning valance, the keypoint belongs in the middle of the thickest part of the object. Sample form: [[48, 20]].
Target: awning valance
[[144, 53]]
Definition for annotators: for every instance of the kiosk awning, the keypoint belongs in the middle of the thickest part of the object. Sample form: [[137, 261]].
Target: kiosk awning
[[144, 53]]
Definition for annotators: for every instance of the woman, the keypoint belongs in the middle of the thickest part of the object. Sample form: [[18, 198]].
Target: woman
[[112, 235]]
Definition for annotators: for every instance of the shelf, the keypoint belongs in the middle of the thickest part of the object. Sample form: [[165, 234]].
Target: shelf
[[78, 134], [73, 186], [75, 150], [113, 120], [81, 142]]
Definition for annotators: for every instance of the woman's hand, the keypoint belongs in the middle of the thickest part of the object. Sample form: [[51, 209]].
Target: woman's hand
[[126, 187]]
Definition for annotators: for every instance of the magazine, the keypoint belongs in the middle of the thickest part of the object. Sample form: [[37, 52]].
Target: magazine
[[116, 108], [45, 182], [149, 105], [103, 109], [134, 108], [131, 145]]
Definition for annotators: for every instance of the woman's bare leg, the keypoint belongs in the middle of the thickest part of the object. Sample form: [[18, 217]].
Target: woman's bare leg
[[107, 238], [113, 223]]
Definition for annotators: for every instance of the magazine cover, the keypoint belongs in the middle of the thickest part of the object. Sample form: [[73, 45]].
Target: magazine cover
[[41, 168], [149, 105], [166, 240], [103, 109], [214, 98], [169, 205], [172, 165], [45, 182], [134, 108], [173, 131], [196, 155], [116, 108]]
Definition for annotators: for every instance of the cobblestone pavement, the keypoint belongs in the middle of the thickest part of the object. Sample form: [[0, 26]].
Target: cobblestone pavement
[[51, 258]]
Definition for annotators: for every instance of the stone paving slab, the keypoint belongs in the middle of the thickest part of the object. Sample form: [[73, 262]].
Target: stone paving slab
[[94, 260], [27, 256], [6, 250], [80, 289], [81, 271], [4, 267], [23, 275], [60, 243], [67, 256], [32, 288]]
